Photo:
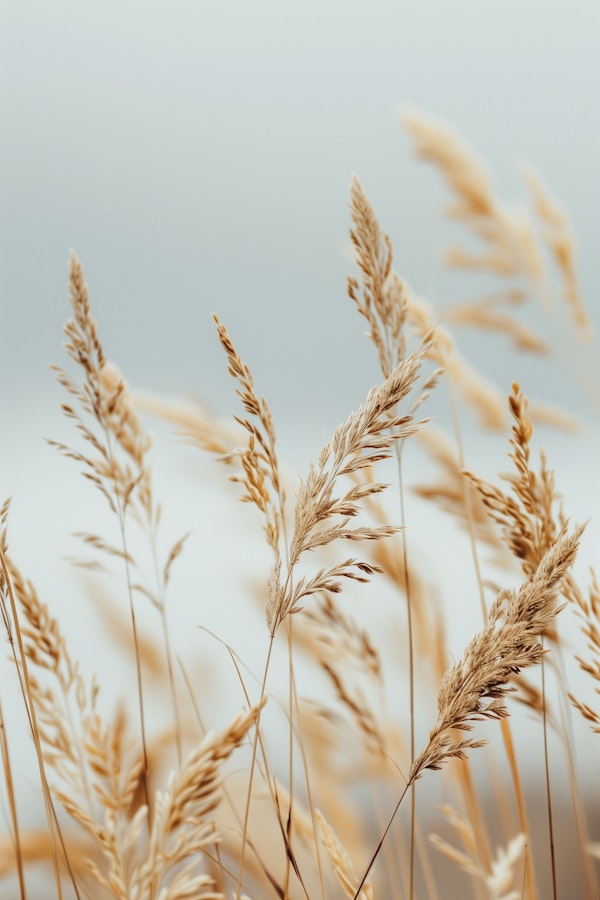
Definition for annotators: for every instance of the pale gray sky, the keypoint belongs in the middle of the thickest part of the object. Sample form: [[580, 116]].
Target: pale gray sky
[[197, 156]]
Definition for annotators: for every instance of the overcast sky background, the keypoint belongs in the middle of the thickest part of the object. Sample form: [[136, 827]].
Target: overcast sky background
[[197, 156]]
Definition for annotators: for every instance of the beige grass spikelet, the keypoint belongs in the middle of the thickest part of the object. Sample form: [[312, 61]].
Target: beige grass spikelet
[[320, 516], [477, 391], [526, 514], [383, 299], [116, 461], [341, 861], [529, 514], [194, 421], [558, 234], [507, 234], [486, 313], [499, 878], [86, 755], [588, 611], [346, 654], [476, 687], [258, 461], [182, 826], [448, 492]]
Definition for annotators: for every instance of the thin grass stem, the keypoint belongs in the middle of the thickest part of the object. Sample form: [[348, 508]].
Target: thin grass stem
[[10, 791], [377, 850], [263, 690], [547, 778], [411, 666]]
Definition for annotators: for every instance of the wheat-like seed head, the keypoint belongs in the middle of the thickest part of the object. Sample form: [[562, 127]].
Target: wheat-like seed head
[[383, 299], [507, 234], [499, 877], [341, 861], [558, 234], [182, 826], [320, 516], [260, 467], [103, 413], [486, 313], [477, 685]]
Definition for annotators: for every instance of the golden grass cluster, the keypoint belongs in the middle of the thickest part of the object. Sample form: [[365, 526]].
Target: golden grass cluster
[[137, 812]]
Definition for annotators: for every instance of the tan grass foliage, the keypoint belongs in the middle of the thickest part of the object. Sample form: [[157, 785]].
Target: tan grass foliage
[[506, 234], [159, 810], [477, 685]]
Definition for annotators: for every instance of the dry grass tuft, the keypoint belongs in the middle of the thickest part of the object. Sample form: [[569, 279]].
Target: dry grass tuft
[[341, 861], [153, 807], [476, 687]]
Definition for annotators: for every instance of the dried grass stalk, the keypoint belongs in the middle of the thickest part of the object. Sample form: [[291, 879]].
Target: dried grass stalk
[[341, 861], [183, 827], [500, 877], [320, 517], [589, 613], [558, 234], [383, 300], [486, 313], [477, 686], [509, 239]]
